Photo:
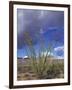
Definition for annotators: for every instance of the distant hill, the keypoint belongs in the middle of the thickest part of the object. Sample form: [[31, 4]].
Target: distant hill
[[19, 58]]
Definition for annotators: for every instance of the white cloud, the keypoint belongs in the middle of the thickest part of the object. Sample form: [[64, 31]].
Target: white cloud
[[41, 15], [44, 53], [41, 31], [59, 48], [25, 57]]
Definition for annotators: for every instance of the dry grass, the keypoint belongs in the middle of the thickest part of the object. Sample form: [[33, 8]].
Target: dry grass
[[53, 69]]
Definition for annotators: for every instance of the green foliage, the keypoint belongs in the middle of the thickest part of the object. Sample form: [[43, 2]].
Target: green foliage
[[55, 70], [39, 64]]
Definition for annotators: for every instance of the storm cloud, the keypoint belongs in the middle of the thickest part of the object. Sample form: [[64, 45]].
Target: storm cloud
[[37, 23]]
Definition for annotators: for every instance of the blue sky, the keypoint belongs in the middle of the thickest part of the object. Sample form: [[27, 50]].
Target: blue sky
[[43, 26]]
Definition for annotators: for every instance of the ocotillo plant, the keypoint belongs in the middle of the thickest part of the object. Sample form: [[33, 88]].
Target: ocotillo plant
[[39, 64]]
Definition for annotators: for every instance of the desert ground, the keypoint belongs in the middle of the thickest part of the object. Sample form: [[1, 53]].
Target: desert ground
[[55, 69]]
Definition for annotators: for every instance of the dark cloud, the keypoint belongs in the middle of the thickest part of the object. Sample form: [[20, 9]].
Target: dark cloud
[[32, 21]]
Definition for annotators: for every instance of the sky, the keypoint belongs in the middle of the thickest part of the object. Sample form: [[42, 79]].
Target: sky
[[44, 27]]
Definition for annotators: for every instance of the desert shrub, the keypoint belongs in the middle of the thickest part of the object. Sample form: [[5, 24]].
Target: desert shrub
[[61, 66], [55, 70], [39, 64], [19, 69]]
